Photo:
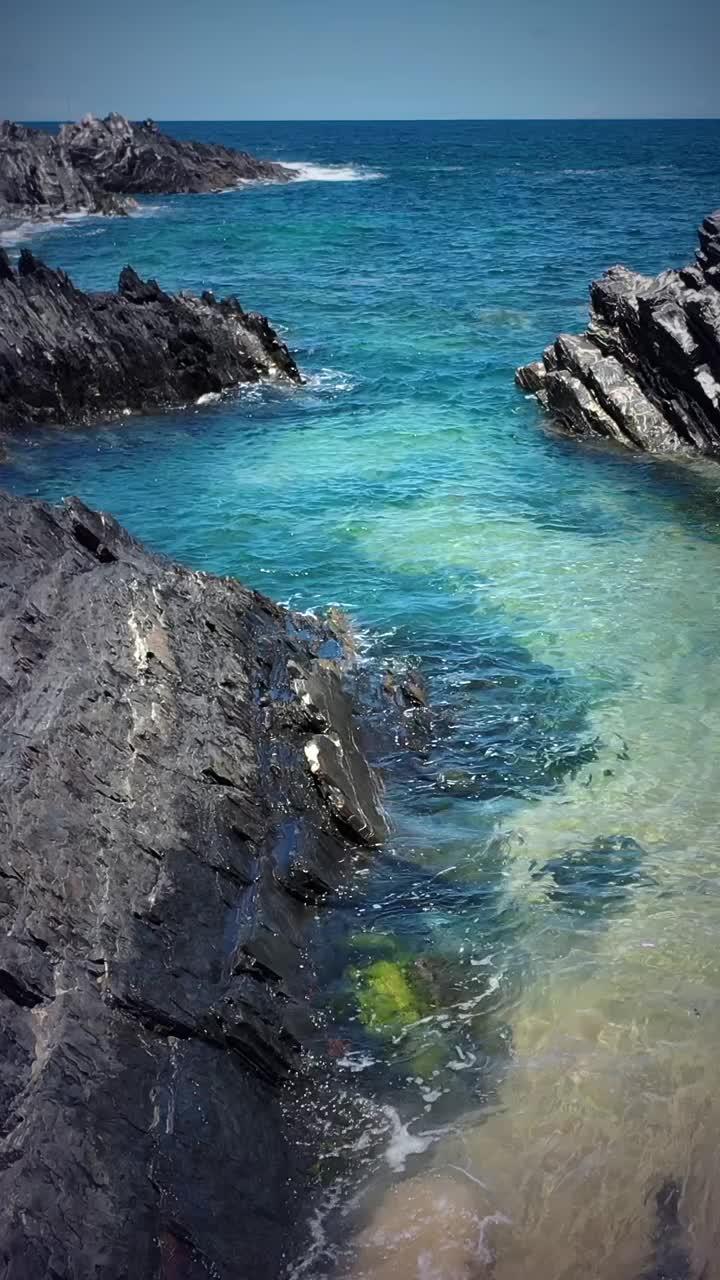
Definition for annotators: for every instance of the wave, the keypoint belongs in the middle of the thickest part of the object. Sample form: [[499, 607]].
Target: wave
[[21, 231], [330, 380], [332, 172], [17, 233]]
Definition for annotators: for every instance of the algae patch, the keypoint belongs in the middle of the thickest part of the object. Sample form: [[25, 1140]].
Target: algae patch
[[387, 1001]]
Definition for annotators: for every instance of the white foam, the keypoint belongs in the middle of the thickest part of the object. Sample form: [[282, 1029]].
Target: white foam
[[331, 172], [484, 1253], [403, 1143], [356, 1061], [330, 380], [22, 231], [10, 236]]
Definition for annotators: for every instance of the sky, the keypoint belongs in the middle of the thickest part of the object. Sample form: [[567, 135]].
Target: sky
[[359, 59]]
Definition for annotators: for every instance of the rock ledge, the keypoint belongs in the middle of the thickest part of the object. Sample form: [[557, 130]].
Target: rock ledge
[[647, 371]]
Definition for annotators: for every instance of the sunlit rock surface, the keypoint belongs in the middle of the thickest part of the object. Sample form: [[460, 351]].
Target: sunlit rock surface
[[119, 155], [647, 371], [67, 356], [168, 830], [96, 166]]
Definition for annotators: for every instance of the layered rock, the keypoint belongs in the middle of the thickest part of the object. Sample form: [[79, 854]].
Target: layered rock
[[95, 166], [39, 180], [117, 155], [181, 784], [647, 371], [67, 356]]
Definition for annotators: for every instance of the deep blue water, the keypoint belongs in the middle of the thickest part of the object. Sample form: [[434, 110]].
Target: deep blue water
[[557, 831]]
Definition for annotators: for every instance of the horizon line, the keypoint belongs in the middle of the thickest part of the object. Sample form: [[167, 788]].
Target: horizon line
[[397, 119]]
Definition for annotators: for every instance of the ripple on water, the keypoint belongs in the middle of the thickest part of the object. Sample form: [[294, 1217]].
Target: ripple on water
[[540, 937]]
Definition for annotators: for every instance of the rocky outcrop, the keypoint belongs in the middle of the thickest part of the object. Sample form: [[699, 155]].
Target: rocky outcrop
[[117, 155], [39, 180], [96, 166], [181, 784], [647, 371], [72, 357]]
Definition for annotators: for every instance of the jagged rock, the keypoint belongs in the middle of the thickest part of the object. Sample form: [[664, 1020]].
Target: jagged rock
[[72, 357], [164, 848], [117, 155], [96, 165], [647, 372], [38, 178]]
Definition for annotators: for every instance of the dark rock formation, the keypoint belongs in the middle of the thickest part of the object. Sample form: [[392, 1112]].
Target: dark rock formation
[[116, 155], [647, 372], [73, 357], [671, 1255], [180, 786], [38, 179]]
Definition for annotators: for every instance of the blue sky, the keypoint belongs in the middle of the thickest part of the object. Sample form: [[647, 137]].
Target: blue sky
[[359, 59]]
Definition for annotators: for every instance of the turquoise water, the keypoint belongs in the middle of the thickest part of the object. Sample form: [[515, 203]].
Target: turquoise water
[[524, 985]]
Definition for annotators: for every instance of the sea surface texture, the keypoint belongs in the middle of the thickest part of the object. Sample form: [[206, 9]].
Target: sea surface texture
[[522, 990]]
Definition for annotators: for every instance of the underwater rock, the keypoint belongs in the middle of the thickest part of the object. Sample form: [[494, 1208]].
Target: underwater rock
[[118, 155], [596, 879], [671, 1256], [72, 357], [647, 371], [165, 847], [39, 180]]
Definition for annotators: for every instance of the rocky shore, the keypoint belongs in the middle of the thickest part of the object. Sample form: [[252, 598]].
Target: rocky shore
[[38, 179], [647, 371], [117, 155], [182, 785], [72, 357], [95, 166]]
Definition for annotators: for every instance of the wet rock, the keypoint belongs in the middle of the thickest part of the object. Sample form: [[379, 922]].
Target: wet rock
[[39, 180], [117, 155], [72, 357], [647, 371], [407, 689], [164, 846]]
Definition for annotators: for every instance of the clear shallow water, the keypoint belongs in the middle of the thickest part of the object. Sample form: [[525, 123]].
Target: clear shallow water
[[524, 986]]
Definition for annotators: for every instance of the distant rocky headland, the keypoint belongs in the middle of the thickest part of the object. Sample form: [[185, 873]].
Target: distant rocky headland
[[67, 356], [95, 166], [647, 371], [183, 785]]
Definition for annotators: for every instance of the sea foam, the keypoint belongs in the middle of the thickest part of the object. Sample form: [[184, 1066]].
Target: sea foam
[[332, 172]]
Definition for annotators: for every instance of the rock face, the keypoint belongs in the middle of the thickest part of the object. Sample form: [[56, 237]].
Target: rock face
[[95, 165], [116, 155], [180, 786], [38, 178], [647, 371], [72, 357]]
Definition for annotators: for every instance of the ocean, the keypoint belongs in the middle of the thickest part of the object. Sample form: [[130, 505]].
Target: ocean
[[524, 986]]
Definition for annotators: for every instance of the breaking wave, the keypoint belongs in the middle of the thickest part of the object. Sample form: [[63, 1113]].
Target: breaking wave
[[332, 172]]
